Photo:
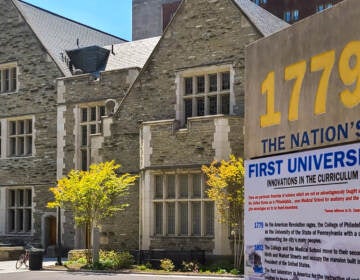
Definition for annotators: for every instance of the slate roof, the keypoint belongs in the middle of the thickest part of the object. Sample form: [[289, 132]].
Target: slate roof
[[130, 54], [58, 34], [263, 20]]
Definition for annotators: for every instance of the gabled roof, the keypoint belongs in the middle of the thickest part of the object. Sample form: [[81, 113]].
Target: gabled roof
[[94, 59], [130, 54], [264, 21], [58, 34]]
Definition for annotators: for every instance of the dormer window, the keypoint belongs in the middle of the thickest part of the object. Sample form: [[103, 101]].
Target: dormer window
[[90, 59], [8, 77]]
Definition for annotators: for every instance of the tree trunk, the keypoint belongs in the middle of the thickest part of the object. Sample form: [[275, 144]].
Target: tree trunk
[[88, 227], [95, 244]]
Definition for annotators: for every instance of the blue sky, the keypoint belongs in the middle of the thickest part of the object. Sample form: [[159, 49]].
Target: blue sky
[[112, 16]]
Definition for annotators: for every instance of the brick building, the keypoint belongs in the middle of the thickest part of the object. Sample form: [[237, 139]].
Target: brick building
[[295, 10], [150, 18]]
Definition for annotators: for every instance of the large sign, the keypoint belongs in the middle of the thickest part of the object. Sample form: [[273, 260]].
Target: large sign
[[303, 84], [302, 215], [302, 132]]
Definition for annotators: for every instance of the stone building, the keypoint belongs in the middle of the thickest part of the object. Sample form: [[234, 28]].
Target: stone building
[[34, 45], [184, 110], [86, 104], [162, 107]]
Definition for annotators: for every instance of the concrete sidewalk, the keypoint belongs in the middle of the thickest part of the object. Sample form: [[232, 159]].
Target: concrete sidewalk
[[9, 266]]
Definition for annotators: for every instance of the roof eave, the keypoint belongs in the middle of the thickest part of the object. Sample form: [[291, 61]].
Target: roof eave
[[37, 37]]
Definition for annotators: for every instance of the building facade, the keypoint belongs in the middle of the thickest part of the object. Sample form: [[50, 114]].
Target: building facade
[[162, 107], [85, 108], [184, 110], [150, 18], [31, 59], [294, 10]]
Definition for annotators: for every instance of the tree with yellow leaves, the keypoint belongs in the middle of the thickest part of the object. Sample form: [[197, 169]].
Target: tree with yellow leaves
[[92, 195], [226, 189]]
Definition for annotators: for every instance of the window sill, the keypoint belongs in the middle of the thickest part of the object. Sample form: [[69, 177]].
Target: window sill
[[17, 157], [13, 234], [8, 92]]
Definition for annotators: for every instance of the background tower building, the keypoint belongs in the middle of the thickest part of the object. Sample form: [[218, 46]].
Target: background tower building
[[294, 10], [150, 17]]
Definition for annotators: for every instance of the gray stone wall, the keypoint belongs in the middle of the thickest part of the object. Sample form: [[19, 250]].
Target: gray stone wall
[[84, 89], [36, 96], [122, 230], [191, 147], [202, 33], [182, 243]]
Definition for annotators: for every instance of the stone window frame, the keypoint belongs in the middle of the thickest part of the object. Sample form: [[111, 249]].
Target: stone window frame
[[24, 140], [206, 72], [19, 212], [92, 125], [20, 136], [170, 222], [9, 77]]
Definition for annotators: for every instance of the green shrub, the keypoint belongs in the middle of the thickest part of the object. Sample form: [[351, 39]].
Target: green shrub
[[142, 267], [221, 271], [190, 266], [76, 255], [167, 265], [220, 265], [234, 271], [116, 260], [96, 266], [81, 260], [107, 259], [148, 265]]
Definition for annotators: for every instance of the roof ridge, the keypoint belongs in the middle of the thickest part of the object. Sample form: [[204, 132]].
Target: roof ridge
[[135, 41], [263, 20], [71, 20], [66, 33]]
